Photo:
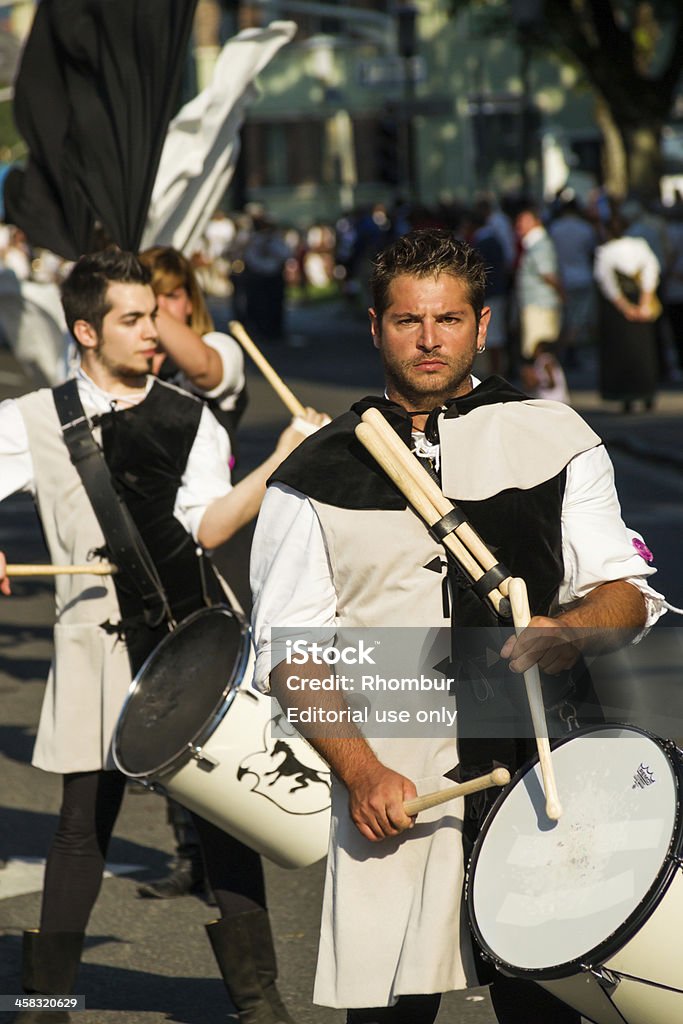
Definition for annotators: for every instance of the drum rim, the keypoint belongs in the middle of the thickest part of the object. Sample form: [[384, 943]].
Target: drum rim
[[185, 754], [617, 940]]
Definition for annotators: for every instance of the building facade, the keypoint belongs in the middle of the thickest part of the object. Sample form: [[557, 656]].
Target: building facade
[[365, 106]]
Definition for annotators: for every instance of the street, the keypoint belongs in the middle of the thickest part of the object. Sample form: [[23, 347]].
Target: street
[[149, 961]]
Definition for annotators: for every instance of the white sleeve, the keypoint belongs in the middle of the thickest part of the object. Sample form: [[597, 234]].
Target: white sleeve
[[207, 473], [597, 546], [232, 376], [232, 358], [649, 267], [604, 272], [16, 464], [291, 580], [630, 256]]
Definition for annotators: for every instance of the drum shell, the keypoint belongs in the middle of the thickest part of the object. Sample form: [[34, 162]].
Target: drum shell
[[649, 969], [635, 974], [225, 753], [218, 793]]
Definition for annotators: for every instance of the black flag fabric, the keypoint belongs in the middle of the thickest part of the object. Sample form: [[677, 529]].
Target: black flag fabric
[[97, 86]]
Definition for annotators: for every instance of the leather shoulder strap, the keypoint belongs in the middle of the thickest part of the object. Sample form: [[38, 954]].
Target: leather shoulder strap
[[126, 547]]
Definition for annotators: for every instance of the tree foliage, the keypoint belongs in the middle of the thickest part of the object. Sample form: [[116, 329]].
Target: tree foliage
[[631, 51]]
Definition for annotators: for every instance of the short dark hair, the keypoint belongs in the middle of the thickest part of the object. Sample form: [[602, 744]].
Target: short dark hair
[[84, 291], [428, 252]]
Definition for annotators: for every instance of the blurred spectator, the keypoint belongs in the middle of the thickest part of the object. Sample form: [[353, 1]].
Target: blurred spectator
[[346, 230], [575, 241], [220, 233], [538, 285], [318, 256], [373, 232], [486, 241], [210, 262], [502, 227], [544, 376], [641, 222], [15, 253], [265, 256], [31, 317], [627, 274], [243, 228], [672, 287], [47, 267]]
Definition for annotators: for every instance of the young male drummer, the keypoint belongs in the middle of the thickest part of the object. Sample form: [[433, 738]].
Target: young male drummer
[[168, 458], [336, 546]]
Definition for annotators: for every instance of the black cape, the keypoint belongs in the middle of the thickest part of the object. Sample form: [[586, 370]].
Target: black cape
[[333, 467]]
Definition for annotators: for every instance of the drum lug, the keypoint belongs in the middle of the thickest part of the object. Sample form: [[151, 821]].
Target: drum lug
[[673, 749], [606, 979], [204, 760]]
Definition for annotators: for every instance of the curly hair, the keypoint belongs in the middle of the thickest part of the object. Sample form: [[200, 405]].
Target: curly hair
[[428, 252]]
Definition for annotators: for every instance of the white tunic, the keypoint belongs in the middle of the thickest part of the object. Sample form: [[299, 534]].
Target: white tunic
[[392, 917], [90, 672]]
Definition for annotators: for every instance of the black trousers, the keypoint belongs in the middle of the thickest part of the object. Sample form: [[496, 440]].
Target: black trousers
[[407, 1010], [514, 1002], [75, 863]]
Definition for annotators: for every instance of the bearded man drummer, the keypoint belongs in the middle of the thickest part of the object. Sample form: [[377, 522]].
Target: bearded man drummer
[[336, 546], [168, 458]]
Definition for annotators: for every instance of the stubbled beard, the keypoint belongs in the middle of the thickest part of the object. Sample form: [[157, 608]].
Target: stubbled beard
[[119, 370], [430, 394]]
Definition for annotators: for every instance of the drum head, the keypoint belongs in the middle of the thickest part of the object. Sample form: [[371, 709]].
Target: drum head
[[176, 695], [545, 896]]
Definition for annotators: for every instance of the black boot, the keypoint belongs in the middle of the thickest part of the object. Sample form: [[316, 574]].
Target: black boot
[[49, 967], [244, 951], [187, 877]]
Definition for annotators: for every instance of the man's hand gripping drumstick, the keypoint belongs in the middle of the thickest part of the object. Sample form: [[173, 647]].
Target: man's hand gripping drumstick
[[498, 777], [472, 554]]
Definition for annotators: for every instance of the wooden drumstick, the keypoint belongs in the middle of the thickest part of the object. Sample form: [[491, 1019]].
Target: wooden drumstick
[[97, 569], [466, 533], [408, 476], [498, 777], [396, 472], [273, 378], [521, 616]]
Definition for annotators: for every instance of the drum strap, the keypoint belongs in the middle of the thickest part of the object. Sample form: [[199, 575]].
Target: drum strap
[[126, 547]]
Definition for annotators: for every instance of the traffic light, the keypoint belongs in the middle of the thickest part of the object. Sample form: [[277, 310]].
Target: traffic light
[[388, 157]]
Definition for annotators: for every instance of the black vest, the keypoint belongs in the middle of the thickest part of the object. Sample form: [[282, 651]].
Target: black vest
[[146, 448]]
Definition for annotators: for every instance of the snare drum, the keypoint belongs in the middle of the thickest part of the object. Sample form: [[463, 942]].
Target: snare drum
[[191, 727], [590, 907]]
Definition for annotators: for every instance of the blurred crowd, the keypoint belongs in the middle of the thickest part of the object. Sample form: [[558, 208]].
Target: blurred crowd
[[565, 287]]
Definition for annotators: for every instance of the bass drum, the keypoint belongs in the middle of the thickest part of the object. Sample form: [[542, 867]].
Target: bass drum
[[589, 907], [192, 726]]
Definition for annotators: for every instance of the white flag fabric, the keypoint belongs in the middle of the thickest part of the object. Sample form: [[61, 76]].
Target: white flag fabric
[[33, 326], [202, 143]]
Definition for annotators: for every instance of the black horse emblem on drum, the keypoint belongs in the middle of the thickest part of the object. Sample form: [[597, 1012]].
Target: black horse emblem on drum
[[287, 771], [291, 767]]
